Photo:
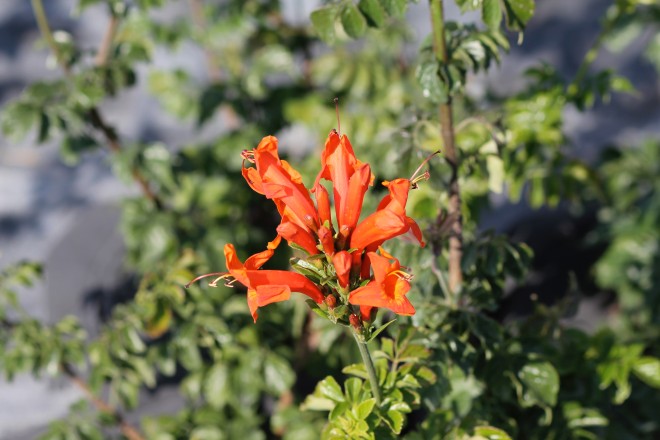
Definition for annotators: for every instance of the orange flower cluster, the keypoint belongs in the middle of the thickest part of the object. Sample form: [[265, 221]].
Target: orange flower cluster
[[342, 252]]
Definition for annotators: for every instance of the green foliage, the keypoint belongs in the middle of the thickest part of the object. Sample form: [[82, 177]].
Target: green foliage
[[353, 412], [340, 19], [630, 227], [468, 50]]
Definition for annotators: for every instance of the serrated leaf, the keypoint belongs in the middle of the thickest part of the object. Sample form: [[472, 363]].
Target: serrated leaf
[[408, 381], [394, 420], [363, 410], [323, 21], [353, 21]]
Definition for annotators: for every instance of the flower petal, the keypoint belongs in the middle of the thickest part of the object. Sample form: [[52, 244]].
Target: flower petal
[[281, 182], [342, 262], [377, 228], [293, 233], [259, 259], [253, 179], [357, 187], [327, 240], [323, 205]]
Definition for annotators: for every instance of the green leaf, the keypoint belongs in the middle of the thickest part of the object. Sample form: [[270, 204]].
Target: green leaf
[[394, 420], [652, 52], [491, 433], [413, 353], [468, 5], [216, 386], [579, 417], [395, 8], [540, 384], [353, 21], [128, 393], [647, 369], [339, 410], [73, 146], [278, 373], [353, 386], [374, 11], [433, 87], [307, 269], [329, 388], [365, 408], [356, 370], [133, 341], [207, 433], [315, 403], [623, 35], [518, 13], [145, 371], [491, 13], [323, 21], [379, 330]]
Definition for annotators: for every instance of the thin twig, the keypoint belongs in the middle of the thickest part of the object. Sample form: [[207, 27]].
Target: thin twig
[[114, 145], [448, 137], [106, 44], [129, 431], [95, 117]]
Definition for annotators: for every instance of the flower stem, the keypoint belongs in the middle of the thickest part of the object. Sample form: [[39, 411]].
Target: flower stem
[[369, 365]]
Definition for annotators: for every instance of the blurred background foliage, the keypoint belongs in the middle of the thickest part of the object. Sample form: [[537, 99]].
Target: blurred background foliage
[[471, 369]]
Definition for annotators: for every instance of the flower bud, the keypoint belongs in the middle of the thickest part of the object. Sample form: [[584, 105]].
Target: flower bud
[[355, 321], [331, 301]]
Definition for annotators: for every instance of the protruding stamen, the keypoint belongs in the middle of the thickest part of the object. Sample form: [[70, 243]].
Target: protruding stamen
[[229, 281], [414, 179], [403, 275], [220, 276], [336, 100], [424, 176], [248, 155]]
